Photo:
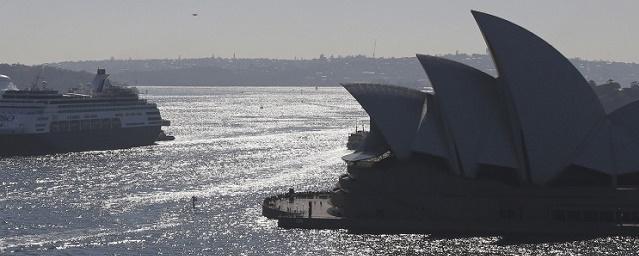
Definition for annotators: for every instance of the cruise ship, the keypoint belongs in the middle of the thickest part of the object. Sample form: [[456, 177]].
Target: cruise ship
[[38, 121]]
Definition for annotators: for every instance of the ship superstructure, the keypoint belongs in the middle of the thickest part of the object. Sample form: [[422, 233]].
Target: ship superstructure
[[40, 121]]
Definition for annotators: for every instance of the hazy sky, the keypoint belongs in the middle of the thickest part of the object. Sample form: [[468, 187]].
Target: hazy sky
[[49, 31]]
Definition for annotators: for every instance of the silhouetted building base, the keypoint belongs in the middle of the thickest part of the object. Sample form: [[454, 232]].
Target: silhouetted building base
[[403, 197]]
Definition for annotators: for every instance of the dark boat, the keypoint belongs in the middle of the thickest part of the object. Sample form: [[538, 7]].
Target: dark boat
[[163, 136], [355, 139]]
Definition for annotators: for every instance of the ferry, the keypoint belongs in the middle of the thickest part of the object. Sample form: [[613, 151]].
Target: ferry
[[39, 121]]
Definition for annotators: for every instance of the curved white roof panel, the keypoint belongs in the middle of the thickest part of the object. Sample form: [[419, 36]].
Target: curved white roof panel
[[374, 142], [625, 125], [597, 152], [626, 151], [394, 110], [430, 138], [473, 111], [556, 108], [613, 147], [628, 118]]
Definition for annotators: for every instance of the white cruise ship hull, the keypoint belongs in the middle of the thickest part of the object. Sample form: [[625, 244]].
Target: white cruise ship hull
[[38, 121], [48, 143]]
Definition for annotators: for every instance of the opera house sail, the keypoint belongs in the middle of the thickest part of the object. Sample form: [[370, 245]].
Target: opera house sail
[[531, 150]]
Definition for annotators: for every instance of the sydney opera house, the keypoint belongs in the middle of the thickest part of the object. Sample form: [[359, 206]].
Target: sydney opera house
[[531, 150]]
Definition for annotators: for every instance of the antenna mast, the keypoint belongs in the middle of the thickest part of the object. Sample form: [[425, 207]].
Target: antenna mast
[[34, 86], [374, 47]]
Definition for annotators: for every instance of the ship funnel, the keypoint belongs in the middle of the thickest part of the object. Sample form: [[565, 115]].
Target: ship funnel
[[101, 80]]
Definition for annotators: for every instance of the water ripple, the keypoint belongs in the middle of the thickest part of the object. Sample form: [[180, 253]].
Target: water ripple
[[235, 146]]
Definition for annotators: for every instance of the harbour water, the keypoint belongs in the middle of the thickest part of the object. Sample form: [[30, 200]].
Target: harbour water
[[234, 147]]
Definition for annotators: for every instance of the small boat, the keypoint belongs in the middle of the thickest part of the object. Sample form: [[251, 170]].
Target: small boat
[[355, 139], [163, 136]]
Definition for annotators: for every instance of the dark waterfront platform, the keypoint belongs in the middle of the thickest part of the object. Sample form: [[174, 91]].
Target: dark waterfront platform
[[310, 210], [307, 210]]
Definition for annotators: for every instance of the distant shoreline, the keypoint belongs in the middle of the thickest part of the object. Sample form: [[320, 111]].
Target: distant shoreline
[[325, 71], [266, 86], [322, 71]]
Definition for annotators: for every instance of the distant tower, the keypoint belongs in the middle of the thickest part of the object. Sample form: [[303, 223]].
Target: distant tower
[[374, 47]]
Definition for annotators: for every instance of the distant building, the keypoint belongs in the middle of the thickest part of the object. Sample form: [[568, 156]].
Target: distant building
[[613, 96]]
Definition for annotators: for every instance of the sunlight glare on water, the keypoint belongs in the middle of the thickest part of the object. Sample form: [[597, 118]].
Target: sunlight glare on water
[[234, 147]]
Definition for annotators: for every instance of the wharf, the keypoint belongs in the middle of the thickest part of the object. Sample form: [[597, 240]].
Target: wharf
[[310, 210], [307, 210]]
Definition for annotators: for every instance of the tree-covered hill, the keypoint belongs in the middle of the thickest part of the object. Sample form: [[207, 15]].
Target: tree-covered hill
[[57, 78], [325, 70]]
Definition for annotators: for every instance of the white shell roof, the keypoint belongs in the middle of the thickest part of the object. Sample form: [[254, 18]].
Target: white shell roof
[[625, 125], [538, 117], [395, 111], [597, 151], [556, 108], [430, 137], [473, 113], [625, 151], [627, 117]]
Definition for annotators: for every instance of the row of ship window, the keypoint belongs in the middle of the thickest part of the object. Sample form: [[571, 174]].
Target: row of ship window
[[85, 125], [109, 104], [103, 109], [123, 101], [81, 103]]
